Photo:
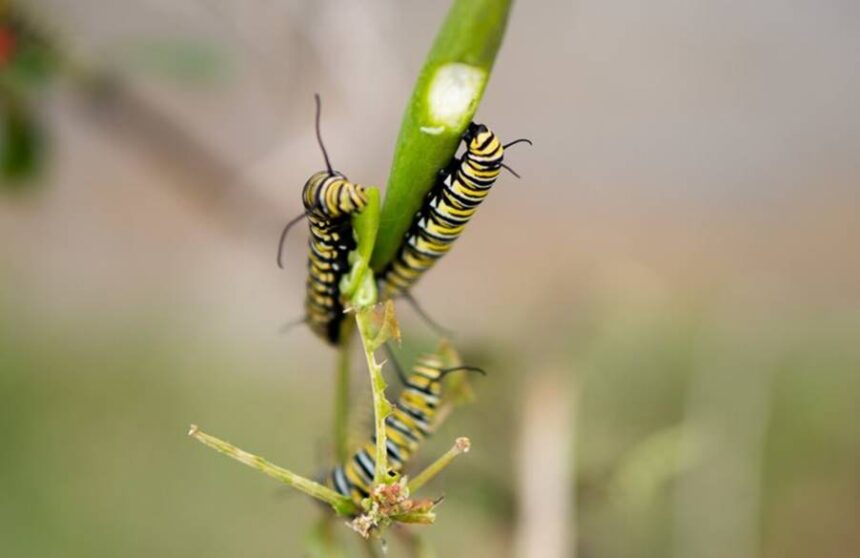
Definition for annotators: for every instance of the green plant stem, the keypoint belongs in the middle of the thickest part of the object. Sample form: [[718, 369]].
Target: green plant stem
[[341, 398], [381, 406], [341, 504], [444, 100], [365, 226], [462, 445]]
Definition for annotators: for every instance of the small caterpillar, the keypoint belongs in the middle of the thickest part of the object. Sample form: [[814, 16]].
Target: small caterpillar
[[406, 427], [330, 200], [447, 209]]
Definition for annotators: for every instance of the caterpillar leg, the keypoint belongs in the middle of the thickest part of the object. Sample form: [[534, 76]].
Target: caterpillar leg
[[290, 325], [287, 228]]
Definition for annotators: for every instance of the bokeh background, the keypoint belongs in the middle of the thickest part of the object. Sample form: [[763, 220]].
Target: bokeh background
[[667, 302]]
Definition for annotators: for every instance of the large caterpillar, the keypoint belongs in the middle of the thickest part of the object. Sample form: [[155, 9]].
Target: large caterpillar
[[447, 209], [329, 200], [412, 420]]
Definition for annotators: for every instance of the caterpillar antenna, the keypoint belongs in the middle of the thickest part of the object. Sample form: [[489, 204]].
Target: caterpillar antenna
[[516, 141], [446, 371], [510, 170], [287, 228], [424, 315], [290, 325], [319, 135]]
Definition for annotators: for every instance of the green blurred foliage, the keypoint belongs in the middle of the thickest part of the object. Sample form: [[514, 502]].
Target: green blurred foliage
[[29, 65], [96, 462], [22, 149]]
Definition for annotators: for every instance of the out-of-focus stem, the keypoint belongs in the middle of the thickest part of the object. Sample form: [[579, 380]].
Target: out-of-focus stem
[[341, 399], [546, 524], [371, 548], [462, 445]]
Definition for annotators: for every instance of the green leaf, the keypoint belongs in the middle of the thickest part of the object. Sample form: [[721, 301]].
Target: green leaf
[[365, 224], [443, 102], [21, 146]]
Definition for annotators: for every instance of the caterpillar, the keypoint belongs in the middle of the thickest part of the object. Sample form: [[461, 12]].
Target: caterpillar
[[447, 209], [329, 201], [411, 421]]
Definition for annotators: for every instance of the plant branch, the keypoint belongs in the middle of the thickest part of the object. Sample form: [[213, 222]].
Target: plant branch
[[365, 226], [381, 407], [341, 504], [445, 98], [462, 445], [341, 396]]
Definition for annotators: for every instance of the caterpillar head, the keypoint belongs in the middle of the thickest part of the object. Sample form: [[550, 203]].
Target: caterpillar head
[[330, 195], [431, 367], [480, 140]]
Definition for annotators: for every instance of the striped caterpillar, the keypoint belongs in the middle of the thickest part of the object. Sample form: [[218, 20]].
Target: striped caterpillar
[[447, 209], [412, 421], [330, 201]]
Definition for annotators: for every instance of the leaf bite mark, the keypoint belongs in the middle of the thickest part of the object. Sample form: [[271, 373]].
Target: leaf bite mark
[[453, 93], [433, 130]]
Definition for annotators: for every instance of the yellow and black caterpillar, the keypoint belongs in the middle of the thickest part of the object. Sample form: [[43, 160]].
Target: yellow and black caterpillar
[[412, 420], [447, 209], [329, 200]]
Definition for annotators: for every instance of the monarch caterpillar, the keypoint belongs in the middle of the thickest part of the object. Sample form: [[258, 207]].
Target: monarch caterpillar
[[411, 421], [330, 200], [447, 208]]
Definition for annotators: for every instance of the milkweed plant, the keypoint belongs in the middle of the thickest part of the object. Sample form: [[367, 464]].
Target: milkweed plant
[[444, 100]]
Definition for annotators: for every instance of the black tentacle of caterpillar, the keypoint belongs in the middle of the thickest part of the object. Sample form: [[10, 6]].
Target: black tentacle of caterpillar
[[329, 200], [406, 427], [447, 209]]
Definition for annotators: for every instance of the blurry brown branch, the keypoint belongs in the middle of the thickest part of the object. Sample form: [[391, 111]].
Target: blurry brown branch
[[123, 113], [200, 173], [546, 526]]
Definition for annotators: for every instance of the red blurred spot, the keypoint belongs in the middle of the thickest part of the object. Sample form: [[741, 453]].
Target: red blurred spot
[[7, 45]]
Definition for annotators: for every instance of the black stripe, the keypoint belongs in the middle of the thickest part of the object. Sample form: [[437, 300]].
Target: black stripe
[[490, 137], [406, 431], [367, 473]]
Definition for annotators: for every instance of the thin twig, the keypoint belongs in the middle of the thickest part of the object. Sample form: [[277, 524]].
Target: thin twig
[[341, 398], [341, 504], [462, 445]]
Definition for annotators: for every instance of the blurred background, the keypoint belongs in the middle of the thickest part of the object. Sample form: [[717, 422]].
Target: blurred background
[[668, 302]]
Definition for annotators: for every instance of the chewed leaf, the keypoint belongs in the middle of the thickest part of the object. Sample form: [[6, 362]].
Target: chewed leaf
[[452, 97], [390, 325], [443, 103], [416, 518], [386, 325]]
